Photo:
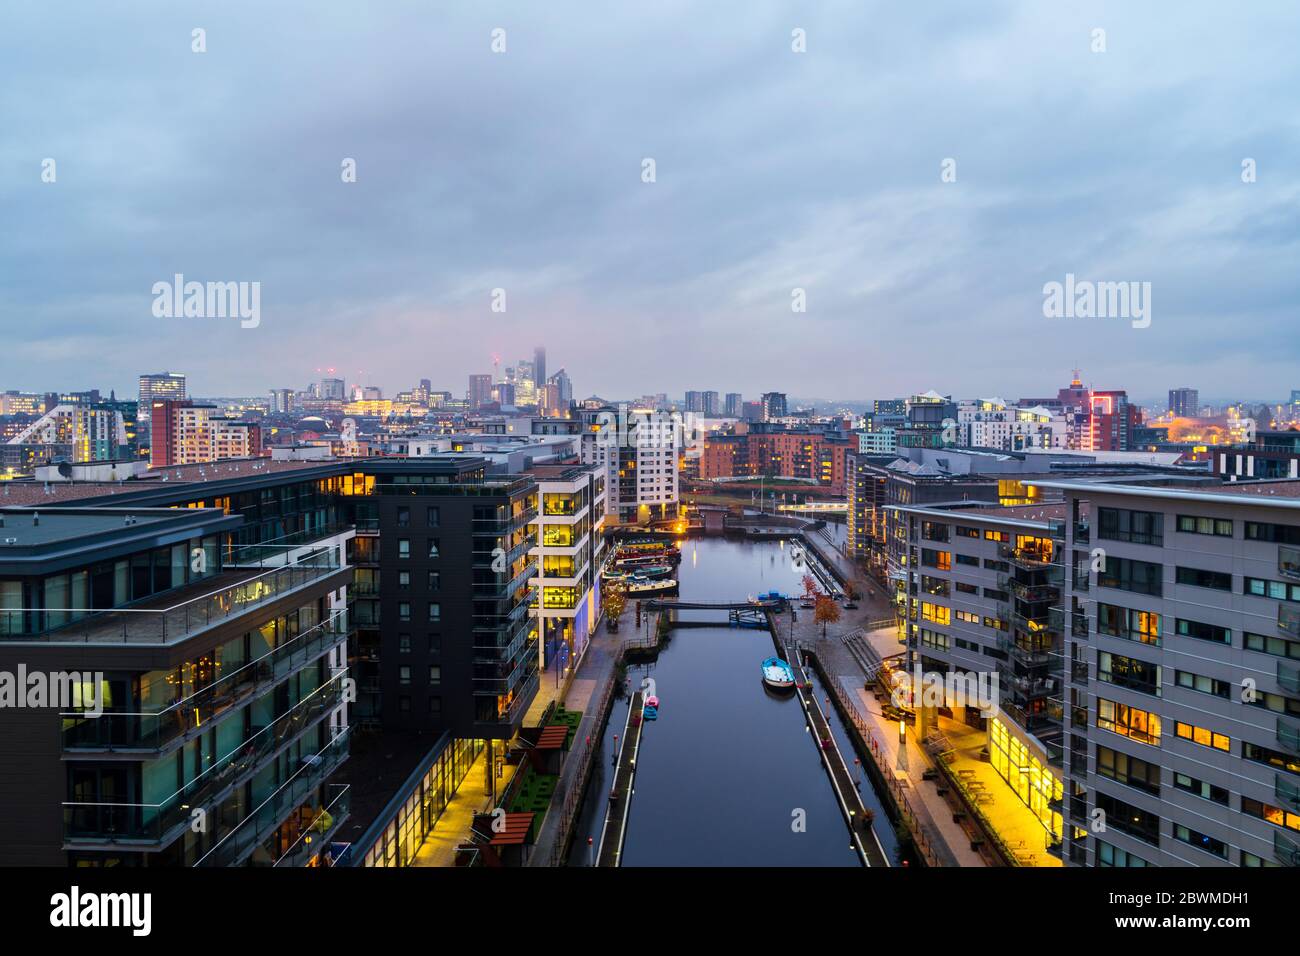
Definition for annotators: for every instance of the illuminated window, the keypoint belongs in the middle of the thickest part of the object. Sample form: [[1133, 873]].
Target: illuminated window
[[1202, 736]]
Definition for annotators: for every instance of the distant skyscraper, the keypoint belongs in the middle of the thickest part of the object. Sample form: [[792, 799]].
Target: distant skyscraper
[[562, 382], [332, 389], [734, 405], [539, 365], [1184, 402], [155, 387], [480, 391], [774, 405], [281, 401]]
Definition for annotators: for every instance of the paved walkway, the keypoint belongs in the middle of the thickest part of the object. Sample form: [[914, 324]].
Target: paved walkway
[[452, 828]]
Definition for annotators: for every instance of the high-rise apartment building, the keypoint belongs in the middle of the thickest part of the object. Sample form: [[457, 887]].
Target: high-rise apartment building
[[734, 405], [1184, 402], [155, 387], [282, 401], [539, 365], [774, 405], [480, 391]]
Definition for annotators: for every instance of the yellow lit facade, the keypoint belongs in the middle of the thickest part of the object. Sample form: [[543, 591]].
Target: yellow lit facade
[[1031, 779]]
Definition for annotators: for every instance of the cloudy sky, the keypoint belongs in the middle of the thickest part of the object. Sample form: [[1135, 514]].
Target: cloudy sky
[[774, 170]]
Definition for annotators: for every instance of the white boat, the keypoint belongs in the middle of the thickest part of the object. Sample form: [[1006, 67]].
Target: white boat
[[636, 586], [777, 673]]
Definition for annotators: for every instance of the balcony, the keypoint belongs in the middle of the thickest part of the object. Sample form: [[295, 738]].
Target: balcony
[[1288, 735], [1288, 621], [98, 823], [226, 596], [1286, 791], [324, 825], [1028, 654], [1288, 678], [236, 845], [1030, 559], [1286, 850], [156, 730]]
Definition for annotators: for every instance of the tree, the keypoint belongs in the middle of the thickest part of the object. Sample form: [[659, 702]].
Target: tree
[[809, 585], [825, 611], [615, 602]]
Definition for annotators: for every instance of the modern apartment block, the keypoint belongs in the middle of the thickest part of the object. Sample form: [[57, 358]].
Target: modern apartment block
[[185, 433], [1182, 676], [155, 387], [1184, 402], [979, 586], [569, 549], [195, 713], [639, 452]]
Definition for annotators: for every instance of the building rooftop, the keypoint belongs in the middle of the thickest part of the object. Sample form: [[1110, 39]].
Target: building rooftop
[[1282, 494]]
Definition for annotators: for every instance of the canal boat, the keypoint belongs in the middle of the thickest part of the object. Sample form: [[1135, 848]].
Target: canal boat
[[641, 587], [651, 571], [650, 709], [778, 674], [622, 560]]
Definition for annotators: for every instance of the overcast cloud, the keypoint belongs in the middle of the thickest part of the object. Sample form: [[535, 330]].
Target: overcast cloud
[[775, 170]]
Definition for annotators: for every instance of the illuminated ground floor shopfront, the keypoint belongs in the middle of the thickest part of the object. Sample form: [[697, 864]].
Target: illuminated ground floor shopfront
[[1028, 777], [418, 806]]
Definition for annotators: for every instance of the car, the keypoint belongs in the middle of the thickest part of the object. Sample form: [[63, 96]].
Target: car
[[850, 606]]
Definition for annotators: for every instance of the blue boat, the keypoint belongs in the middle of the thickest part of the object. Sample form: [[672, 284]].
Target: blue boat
[[778, 674]]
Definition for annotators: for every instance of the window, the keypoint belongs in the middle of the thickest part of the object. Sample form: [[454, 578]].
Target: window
[[435, 673], [403, 547], [934, 639], [1205, 685], [435, 643], [935, 586], [403, 579], [1277, 646], [994, 565], [404, 643], [435, 612], [1274, 758], [1190, 524], [1128, 672], [1199, 788], [435, 705], [1202, 735], [1203, 632], [404, 674], [1129, 819], [435, 580], [1137, 527], [404, 704], [1197, 839], [967, 616], [1108, 855], [969, 560], [1277, 590], [1274, 815], [965, 532], [936, 613], [1140, 725], [965, 588], [1274, 533], [1001, 536], [996, 623], [936, 559], [934, 531], [1203, 578], [1125, 574], [1128, 770], [403, 610], [403, 516], [433, 547], [1128, 623], [432, 517]]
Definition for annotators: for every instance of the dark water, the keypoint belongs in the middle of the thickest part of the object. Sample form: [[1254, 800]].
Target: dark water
[[727, 767]]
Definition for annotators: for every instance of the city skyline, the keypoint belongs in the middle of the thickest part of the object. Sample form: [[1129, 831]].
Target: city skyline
[[775, 170]]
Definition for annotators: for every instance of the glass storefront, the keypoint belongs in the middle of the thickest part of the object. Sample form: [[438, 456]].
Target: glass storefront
[[1031, 780]]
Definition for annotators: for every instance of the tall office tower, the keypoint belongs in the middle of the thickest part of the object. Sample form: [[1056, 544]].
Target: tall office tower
[[281, 401], [504, 393], [539, 365], [694, 402], [189, 434], [1184, 402], [156, 387], [774, 405], [710, 402], [562, 382], [332, 389], [172, 714], [735, 405], [480, 391]]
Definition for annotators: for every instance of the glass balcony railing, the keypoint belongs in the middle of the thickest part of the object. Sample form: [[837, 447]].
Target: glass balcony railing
[[325, 823], [1288, 735], [298, 790], [251, 588], [1286, 791], [154, 730], [155, 823], [1286, 850], [1288, 677]]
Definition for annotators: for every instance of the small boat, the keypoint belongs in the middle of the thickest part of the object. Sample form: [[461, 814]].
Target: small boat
[[653, 571], [652, 701], [650, 713], [777, 673], [638, 586], [613, 574]]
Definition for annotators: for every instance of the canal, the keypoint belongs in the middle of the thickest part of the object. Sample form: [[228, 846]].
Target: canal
[[728, 774]]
